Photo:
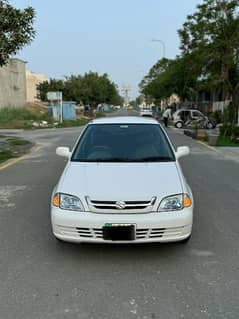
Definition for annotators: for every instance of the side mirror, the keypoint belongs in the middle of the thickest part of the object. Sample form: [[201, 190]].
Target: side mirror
[[182, 151], [63, 151]]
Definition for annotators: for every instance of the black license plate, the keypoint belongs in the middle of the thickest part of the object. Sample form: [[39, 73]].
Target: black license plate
[[118, 232]]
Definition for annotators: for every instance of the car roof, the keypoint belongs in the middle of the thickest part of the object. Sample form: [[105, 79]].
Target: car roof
[[124, 120]]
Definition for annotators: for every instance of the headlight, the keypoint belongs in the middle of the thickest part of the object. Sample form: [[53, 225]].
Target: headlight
[[69, 202], [175, 202]]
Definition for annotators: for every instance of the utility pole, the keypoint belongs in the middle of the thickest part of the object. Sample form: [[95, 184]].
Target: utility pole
[[126, 89]]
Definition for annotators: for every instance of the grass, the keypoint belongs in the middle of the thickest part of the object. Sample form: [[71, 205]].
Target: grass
[[16, 141], [21, 118], [11, 114], [226, 141], [11, 117], [13, 146], [5, 155]]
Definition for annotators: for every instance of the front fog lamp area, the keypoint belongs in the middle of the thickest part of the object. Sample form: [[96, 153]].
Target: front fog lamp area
[[68, 202], [175, 202]]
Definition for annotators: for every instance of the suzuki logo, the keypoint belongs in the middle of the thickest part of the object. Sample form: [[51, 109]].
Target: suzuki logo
[[120, 205]]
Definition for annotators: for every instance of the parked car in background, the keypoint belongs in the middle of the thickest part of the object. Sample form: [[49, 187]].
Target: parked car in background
[[146, 112], [122, 184], [187, 117]]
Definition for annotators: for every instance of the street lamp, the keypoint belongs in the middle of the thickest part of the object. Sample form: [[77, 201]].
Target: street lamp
[[163, 45]]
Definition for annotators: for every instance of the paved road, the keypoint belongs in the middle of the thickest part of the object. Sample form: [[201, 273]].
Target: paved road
[[42, 279]]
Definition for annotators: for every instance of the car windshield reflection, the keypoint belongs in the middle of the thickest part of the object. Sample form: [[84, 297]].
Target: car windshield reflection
[[123, 143]]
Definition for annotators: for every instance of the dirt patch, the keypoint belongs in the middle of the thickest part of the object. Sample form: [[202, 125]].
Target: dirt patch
[[13, 146], [38, 107]]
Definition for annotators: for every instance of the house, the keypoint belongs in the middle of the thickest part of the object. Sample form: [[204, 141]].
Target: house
[[32, 80]]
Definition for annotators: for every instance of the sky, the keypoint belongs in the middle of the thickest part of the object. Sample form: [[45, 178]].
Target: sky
[[104, 36]]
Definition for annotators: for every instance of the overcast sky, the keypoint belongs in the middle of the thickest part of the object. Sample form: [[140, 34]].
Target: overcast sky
[[106, 36]]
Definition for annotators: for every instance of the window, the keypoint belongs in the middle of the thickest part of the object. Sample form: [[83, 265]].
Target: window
[[123, 143], [197, 114]]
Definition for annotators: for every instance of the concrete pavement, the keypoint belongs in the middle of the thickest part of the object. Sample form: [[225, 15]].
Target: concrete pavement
[[229, 152]]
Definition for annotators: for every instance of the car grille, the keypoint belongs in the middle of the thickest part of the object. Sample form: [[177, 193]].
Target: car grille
[[119, 207], [141, 233]]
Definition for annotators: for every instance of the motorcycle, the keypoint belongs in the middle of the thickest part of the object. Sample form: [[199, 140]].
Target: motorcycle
[[201, 123]]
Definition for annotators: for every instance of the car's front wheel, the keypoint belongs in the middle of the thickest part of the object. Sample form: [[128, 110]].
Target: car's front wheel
[[179, 124]]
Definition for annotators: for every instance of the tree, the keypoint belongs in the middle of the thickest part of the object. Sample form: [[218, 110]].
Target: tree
[[91, 88], [52, 85], [16, 29], [167, 77], [211, 37], [209, 59]]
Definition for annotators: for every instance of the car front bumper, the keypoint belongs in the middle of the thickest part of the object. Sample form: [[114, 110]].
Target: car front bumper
[[151, 227]]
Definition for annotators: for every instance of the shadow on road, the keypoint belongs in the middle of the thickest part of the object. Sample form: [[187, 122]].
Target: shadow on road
[[121, 252]]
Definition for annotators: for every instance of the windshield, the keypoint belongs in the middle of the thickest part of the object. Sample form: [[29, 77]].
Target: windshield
[[123, 143]]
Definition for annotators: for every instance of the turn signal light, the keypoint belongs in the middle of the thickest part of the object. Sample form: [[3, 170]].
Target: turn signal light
[[56, 200], [187, 201]]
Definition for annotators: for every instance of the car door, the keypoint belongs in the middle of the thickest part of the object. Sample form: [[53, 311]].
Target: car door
[[195, 115]]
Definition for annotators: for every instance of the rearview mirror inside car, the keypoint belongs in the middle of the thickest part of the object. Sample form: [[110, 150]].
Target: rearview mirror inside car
[[182, 151], [63, 151]]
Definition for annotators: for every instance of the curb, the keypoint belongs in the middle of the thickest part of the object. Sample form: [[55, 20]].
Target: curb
[[212, 148], [13, 161], [219, 152]]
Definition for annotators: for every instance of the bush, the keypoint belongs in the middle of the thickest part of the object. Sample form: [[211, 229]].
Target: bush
[[226, 141], [217, 116], [230, 131], [228, 115], [225, 130]]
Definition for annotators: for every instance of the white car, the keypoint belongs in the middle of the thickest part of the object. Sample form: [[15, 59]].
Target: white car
[[182, 116], [146, 112], [122, 184]]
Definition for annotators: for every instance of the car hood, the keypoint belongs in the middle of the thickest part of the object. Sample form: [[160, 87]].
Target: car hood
[[120, 181]]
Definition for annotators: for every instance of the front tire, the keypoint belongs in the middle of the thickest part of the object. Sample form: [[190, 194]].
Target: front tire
[[179, 124]]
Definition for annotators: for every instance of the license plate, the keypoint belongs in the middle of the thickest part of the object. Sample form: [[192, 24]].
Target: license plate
[[119, 232]]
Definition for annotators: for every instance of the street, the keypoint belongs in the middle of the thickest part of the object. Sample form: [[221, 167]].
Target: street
[[44, 279]]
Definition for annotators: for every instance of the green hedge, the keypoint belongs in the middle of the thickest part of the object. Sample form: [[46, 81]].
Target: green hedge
[[232, 132]]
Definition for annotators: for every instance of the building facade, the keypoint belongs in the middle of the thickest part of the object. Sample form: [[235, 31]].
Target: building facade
[[13, 84], [32, 80]]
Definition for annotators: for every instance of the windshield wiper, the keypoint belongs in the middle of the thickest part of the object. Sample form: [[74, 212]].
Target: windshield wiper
[[155, 159]]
